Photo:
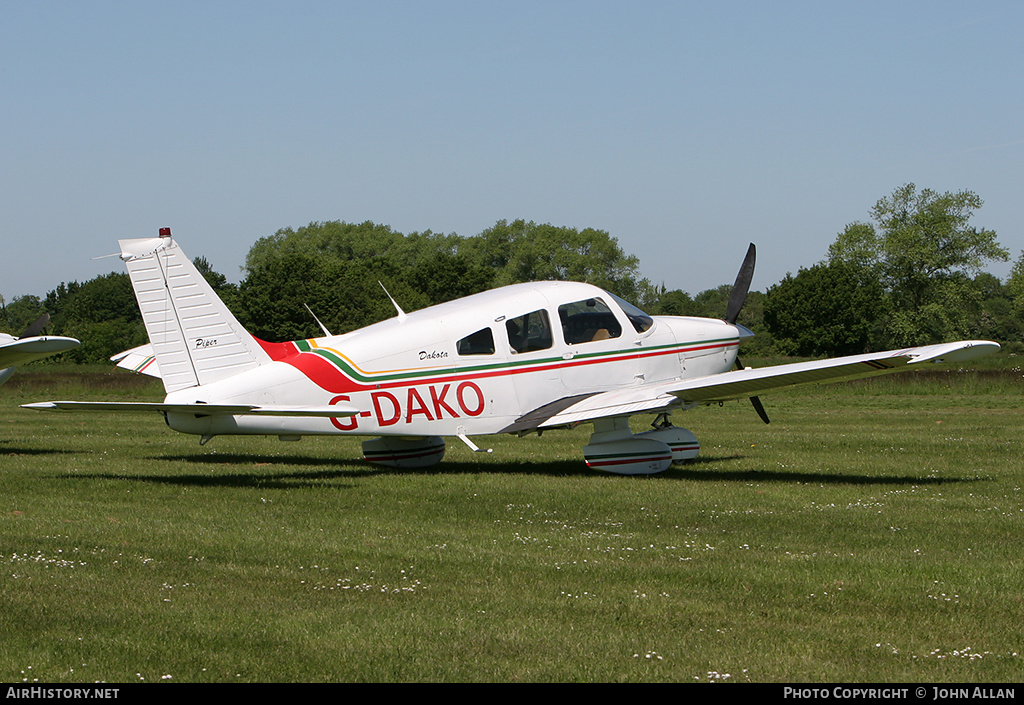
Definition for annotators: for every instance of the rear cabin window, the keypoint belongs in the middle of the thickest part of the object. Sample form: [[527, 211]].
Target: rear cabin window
[[588, 321], [529, 332], [479, 343]]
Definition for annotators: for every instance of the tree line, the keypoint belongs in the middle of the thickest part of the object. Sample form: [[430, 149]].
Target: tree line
[[912, 275]]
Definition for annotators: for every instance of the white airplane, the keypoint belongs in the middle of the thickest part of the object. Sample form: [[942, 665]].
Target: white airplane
[[30, 346], [521, 359]]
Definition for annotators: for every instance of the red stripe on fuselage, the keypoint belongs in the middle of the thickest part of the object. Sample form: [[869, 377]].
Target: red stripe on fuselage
[[278, 352]]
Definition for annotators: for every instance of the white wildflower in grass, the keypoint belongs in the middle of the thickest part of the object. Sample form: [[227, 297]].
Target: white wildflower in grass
[[966, 654], [939, 595], [716, 676], [405, 584]]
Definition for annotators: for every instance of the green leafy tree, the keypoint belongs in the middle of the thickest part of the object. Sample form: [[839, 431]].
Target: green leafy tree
[[57, 299], [445, 276], [273, 297], [348, 242], [337, 268], [992, 316], [344, 295], [924, 251], [102, 313], [675, 303], [19, 314], [227, 291], [714, 303], [523, 251], [1015, 287], [828, 309]]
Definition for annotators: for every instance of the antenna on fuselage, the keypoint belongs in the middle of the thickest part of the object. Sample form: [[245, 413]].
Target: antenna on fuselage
[[401, 313], [322, 326]]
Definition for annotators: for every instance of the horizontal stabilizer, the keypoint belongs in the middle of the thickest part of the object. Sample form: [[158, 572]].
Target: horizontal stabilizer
[[141, 359], [196, 409]]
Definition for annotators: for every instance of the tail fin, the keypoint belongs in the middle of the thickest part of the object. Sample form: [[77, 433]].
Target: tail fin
[[195, 337]]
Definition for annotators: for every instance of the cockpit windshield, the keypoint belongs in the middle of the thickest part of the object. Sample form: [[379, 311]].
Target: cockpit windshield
[[640, 320]]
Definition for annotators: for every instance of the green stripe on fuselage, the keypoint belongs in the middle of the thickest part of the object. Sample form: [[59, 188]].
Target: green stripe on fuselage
[[510, 365]]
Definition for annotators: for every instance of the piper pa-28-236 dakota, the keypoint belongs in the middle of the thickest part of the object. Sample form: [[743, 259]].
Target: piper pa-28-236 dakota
[[521, 359]]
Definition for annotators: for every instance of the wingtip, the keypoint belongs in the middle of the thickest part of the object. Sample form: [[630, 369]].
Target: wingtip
[[960, 351], [41, 406]]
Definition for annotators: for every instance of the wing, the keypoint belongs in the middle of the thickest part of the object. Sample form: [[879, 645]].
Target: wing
[[745, 383], [18, 351], [197, 409]]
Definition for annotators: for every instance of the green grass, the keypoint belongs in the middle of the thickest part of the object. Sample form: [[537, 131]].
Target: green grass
[[872, 532]]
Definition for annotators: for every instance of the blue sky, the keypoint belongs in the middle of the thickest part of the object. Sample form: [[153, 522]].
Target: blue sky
[[684, 129]]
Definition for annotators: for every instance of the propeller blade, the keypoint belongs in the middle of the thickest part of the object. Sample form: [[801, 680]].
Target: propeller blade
[[756, 401], [736, 300], [759, 408], [742, 286], [37, 327]]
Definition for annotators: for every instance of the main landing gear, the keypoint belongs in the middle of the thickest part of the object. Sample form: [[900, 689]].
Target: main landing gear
[[614, 448]]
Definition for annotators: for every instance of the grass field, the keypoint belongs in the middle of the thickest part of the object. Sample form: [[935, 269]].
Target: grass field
[[873, 532]]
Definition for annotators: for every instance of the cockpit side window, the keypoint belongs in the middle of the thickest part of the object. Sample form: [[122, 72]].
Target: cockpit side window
[[640, 320], [588, 321], [479, 343], [529, 332]]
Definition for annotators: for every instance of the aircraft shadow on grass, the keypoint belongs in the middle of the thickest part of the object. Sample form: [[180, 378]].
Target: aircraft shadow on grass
[[8, 450], [280, 472], [692, 472]]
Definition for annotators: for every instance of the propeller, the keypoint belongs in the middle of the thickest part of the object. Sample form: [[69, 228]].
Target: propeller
[[742, 286], [37, 327], [736, 300], [756, 401]]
